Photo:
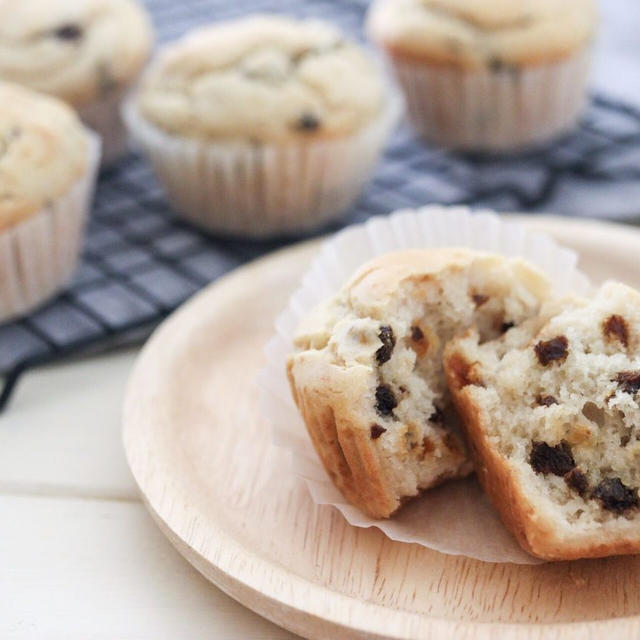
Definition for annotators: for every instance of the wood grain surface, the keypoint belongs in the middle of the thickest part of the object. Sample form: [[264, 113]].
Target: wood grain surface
[[201, 455]]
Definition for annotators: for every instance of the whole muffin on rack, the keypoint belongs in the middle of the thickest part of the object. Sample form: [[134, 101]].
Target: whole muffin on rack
[[488, 74], [86, 52], [262, 125], [48, 165]]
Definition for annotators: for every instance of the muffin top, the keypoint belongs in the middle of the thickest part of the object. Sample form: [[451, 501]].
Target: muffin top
[[77, 50], [262, 78], [43, 151], [476, 34]]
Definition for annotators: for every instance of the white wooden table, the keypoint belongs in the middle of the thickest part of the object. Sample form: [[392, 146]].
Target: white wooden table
[[80, 558]]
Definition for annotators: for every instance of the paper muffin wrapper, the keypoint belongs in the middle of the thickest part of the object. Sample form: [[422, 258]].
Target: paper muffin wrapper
[[104, 117], [39, 254], [501, 110], [262, 189], [455, 518]]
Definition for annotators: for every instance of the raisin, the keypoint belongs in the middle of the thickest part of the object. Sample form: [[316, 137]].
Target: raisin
[[577, 481], [545, 401], [70, 32], [479, 299], [376, 431], [437, 416], [547, 459], [616, 327], [505, 326], [615, 496], [551, 350], [385, 400], [417, 334], [308, 122], [628, 381], [383, 354]]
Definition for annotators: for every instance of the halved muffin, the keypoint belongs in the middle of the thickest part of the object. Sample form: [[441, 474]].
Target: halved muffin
[[552, 419], [367, 373]]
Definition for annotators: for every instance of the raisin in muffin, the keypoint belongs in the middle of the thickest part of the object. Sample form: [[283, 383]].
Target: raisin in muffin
[[552, 418], [86, 52], [262, 125], [48, 164], [367, 373], [490, 75]]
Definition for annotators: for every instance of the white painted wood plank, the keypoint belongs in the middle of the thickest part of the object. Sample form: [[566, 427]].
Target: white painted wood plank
[[91, 569], [61, 432]]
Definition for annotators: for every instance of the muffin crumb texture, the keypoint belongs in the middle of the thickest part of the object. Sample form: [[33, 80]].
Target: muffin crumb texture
[[262, 78], [560, 411]]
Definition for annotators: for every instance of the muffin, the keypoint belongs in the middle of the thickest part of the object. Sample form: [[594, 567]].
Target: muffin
[[48, 164], [262, 125], [551, 413], [487, 75], [86, 52], [367, 374]]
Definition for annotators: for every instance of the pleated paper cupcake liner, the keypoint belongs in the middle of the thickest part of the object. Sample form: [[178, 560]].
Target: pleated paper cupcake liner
[[39, 255], [503, 110], [261, 190], [455, 518]]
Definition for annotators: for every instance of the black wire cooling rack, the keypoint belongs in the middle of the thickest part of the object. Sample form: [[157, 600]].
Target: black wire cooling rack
[[140, 263]]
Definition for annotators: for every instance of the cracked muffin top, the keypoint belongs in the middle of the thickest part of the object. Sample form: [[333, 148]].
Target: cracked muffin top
[[43, 151], [475, 34], [262, 78], [77, 50]]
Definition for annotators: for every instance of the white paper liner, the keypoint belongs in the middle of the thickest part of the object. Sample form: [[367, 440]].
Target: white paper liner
[[493, 111], [456, 518], [104, 117], [39, 254], [267, 189]]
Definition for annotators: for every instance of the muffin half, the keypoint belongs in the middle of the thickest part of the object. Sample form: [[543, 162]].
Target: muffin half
[[551, 415], [367, 372]]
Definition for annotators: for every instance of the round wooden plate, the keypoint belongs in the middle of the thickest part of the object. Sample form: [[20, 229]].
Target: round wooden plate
[[199, 451]]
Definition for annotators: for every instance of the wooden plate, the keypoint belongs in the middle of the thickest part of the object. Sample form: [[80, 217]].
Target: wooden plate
[[198, 449]]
